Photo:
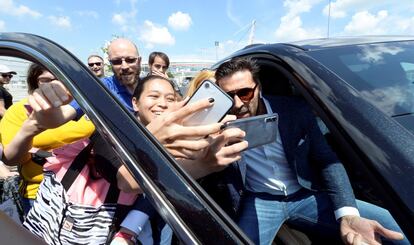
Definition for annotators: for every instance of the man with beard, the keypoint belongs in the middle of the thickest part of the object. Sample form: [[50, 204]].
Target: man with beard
[[126, 65], [297, 179]]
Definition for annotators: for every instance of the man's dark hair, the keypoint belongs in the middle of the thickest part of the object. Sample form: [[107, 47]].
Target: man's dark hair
[[162, 55], [34, 71], [232, 66], [140, 87]]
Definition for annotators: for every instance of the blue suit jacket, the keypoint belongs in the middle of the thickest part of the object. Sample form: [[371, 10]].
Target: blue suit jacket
[[312, 160]]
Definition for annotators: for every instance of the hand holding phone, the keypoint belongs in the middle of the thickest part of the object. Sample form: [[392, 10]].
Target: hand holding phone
[[260, 130], [222, 104]]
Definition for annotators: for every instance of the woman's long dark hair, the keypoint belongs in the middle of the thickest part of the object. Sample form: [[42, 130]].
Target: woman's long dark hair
[[34, 71]]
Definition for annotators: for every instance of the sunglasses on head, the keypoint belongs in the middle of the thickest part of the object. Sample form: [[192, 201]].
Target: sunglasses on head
[[244, 94], [6, 75], [128, 60], [95, 63]]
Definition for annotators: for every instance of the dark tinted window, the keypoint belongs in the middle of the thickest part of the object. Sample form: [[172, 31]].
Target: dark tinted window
[[383, 73]]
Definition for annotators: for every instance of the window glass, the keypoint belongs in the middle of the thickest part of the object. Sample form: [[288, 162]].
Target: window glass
[[383, 73]]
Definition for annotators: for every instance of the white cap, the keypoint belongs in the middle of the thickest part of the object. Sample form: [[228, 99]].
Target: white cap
[[6, 69]]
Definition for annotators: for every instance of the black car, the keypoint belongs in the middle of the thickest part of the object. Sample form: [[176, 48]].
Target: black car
[[362, 90], [359, 88]]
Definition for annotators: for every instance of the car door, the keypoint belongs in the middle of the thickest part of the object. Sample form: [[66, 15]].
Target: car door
[[192, 215], [384, 165]]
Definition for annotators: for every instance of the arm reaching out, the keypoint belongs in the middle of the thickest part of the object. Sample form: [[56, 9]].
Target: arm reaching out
[[50, 110]]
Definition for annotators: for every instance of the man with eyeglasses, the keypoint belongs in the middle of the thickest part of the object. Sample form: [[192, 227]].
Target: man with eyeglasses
[[126, 65], [96, 65], [297, 179], [6, 99]]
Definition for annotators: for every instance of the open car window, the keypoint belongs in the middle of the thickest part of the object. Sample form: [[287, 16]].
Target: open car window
[[340, 120], [176, 196]]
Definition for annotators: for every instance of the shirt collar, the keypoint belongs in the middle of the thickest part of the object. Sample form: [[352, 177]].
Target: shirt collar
[[266, 103]]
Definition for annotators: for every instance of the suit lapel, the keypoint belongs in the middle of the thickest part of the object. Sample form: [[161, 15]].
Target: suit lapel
[[287, 132]]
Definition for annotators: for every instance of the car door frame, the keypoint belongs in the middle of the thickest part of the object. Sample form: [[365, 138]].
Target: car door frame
[[314, 81], [180, 201]]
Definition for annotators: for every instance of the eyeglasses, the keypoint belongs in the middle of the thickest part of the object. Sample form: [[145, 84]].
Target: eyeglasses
[[96, 64], [245, 94], [128, 60], [6, 75]]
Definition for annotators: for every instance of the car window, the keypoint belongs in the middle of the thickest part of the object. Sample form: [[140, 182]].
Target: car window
[[181, 202], [382, 73]]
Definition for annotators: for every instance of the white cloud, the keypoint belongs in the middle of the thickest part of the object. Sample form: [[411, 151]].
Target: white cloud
[[126, 20], [10, 8], [296, 7], [151, 34], [406, 26], [2, 25], [341, 8], [119, 19], [61, 21], [88, 13], [291, 29], [291, 26], [24, 10], [365, 23], [180, 21]]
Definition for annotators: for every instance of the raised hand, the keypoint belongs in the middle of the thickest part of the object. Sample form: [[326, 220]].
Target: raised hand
[[158, 73], [49, 105], [183, 141]]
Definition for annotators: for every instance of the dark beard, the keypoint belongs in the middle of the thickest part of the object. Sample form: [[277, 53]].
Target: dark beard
[[240, 111]]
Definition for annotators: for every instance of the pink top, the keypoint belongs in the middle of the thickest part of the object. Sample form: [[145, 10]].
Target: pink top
[[84, 190]]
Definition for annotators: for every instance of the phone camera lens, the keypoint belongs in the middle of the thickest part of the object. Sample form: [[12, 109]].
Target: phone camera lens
[[206, 85]]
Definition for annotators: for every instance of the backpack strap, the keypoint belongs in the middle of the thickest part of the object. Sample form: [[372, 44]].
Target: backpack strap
[[76, 167], [113, 194], [39, 157]]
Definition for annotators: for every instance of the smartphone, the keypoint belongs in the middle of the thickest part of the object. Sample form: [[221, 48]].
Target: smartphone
[[222, 104], [29, 109], [260, 130]]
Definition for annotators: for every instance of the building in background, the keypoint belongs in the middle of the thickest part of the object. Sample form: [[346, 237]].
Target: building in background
[[17, 86]]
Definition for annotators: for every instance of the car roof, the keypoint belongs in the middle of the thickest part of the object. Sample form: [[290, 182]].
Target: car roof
[[321, 43], [315, 44]]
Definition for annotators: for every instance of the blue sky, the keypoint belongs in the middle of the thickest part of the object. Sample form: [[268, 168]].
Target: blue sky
[[187, 30]]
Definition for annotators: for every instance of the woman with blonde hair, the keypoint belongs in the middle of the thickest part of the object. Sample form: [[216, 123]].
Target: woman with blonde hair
[[197, 80]]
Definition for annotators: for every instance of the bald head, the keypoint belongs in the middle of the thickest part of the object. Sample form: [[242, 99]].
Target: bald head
[[122, 44], [125, 60]]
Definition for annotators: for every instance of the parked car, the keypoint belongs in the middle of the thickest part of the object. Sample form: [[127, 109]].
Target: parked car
[[360, 89]]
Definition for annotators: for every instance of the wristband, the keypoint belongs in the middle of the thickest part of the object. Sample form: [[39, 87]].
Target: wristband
[[126, 236]]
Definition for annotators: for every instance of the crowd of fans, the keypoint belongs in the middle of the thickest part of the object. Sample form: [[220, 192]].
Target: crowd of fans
[[74, 189]]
